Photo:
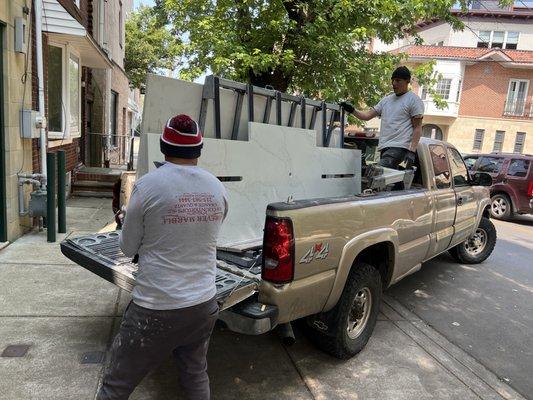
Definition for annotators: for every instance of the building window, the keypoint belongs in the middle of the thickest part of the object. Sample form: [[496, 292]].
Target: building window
[[519, 142], [498, 39], [55, 89], [120, 25], [498, 141], [516, 97], [64, 93], [478, 139], [443, 88], [74, 93], [113, 119]]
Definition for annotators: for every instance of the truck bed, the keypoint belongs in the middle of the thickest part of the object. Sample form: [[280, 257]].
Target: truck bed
[[238, 274]]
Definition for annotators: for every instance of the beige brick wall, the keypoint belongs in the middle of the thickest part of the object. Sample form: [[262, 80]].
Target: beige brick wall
[[18, 151], [461, 133]]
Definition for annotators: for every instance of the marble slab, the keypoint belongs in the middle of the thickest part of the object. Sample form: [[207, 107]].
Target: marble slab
[[274, 164]]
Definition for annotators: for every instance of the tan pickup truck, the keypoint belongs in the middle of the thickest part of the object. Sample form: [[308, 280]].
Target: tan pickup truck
[[326, 261]]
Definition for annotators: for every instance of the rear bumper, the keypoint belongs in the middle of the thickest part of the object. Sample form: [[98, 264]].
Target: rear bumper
[[250, 318]]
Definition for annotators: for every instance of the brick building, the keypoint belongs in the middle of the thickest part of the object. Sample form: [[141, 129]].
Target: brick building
[[485, 74], [87, 100]]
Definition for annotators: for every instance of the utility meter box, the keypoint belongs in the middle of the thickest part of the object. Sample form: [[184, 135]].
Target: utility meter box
[[20, 35], [28, 125], [38, 203]]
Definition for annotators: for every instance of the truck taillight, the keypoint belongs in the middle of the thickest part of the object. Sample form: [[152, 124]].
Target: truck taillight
[[278, 251], [530, 189]]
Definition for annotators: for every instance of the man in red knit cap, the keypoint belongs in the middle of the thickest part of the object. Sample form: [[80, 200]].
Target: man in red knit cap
[[172, 223]]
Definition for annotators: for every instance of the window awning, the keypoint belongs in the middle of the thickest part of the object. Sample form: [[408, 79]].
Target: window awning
[[63, 28]]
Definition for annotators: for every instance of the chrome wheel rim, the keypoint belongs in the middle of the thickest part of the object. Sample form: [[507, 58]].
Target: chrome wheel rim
[[359, 313], [499, 206], [476, 243]]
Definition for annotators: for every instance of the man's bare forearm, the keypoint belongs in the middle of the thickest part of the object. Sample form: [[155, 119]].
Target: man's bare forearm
[[365, 115], [417, 133]]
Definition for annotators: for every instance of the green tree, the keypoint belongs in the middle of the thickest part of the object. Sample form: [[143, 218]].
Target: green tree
[[319, 48], [150, 45]]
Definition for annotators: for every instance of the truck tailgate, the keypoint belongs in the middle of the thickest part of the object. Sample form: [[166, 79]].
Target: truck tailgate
[[237, 276]]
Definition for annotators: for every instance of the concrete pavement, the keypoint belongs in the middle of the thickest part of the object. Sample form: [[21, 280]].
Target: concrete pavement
[[485, 309], [64, 313]]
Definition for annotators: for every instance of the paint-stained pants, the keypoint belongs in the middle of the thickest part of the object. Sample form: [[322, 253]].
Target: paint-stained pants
[[147, 337]]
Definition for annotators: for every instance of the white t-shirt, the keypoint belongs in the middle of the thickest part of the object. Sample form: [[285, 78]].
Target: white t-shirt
[[396, 113], [172, 221]]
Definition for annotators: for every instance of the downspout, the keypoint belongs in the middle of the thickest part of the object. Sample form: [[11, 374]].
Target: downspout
[[40, 79]]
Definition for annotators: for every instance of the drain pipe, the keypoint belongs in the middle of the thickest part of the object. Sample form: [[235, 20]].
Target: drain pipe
[[38, 7]]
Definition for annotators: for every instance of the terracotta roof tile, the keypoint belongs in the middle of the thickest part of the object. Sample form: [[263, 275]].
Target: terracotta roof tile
[[468, 53]]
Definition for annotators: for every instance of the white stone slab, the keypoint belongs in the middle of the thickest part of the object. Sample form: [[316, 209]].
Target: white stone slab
[[277, 162]]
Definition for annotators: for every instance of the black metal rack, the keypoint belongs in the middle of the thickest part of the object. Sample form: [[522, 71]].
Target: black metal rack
[[211, 92]]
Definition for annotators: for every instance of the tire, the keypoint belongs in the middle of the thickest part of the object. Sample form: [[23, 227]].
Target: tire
[[479, 246], [364, 282], [501, 206]]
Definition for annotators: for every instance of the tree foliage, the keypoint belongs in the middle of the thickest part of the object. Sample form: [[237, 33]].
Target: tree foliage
[[150, 45], [318, 48]]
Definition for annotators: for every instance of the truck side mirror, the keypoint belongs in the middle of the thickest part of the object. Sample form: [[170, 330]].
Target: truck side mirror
[[481, 179]]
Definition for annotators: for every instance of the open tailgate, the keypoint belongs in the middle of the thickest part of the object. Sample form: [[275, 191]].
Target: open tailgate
[[238, 276]]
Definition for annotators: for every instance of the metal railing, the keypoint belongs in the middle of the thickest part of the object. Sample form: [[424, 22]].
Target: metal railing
[[274, 98], [518, 108]]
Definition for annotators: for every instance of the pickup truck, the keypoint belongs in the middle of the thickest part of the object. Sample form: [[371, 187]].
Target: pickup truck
[[326, 261]]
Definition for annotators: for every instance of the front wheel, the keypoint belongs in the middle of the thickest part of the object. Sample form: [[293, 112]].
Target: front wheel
[[501, 206], [348, 326], [478, 247]]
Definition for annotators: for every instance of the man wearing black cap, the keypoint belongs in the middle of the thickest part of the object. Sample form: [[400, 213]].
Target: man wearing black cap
[[173, 219], [401, 121]]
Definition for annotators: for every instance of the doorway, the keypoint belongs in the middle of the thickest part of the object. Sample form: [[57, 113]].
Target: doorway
[[432, 131]]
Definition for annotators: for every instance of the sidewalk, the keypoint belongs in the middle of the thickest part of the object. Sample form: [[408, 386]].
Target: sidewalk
[[68, 316]]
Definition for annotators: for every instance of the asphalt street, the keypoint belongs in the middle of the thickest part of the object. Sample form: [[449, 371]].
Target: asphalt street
[[485, 309]]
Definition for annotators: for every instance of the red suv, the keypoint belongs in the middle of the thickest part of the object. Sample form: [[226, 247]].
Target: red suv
[[512, 181]]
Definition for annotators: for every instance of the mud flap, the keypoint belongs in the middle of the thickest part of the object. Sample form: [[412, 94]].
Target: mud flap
[[101, 254]]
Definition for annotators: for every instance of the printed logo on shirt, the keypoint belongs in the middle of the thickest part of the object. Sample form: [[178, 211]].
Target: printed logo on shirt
[[194, 208]]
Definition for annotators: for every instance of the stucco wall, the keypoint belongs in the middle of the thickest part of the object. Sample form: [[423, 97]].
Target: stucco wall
[[18, 151]]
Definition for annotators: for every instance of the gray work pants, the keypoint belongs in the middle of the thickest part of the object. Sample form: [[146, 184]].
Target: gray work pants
[[147, 337]]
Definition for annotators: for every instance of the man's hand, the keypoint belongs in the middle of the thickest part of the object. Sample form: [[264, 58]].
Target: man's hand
[[347, 107]]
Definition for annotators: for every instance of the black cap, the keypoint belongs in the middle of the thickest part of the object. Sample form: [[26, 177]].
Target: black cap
[[401, 73]]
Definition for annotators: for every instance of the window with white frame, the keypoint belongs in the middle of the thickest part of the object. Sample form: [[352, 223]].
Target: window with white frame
[[443, 88], [64, 92], [498, 39], [478, 139], [515, 103]]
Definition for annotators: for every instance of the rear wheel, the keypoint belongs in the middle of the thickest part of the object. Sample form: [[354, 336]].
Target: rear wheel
[[501, 206], [345, 329], [478, 247]]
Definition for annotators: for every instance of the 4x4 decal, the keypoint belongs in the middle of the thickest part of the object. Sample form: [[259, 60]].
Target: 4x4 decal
[[319, 251]]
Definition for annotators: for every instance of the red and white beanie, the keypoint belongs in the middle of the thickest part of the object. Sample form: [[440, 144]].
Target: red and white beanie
[[181, 138]]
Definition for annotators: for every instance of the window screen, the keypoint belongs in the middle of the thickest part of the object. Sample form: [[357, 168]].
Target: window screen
[[55, 89], [498, 141], [519, 142], [478, 139]]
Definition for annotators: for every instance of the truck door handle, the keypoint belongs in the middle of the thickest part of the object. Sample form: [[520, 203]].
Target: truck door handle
[[460, 201]]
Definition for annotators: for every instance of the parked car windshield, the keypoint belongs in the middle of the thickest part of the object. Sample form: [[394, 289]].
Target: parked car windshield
[[490, 164]]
